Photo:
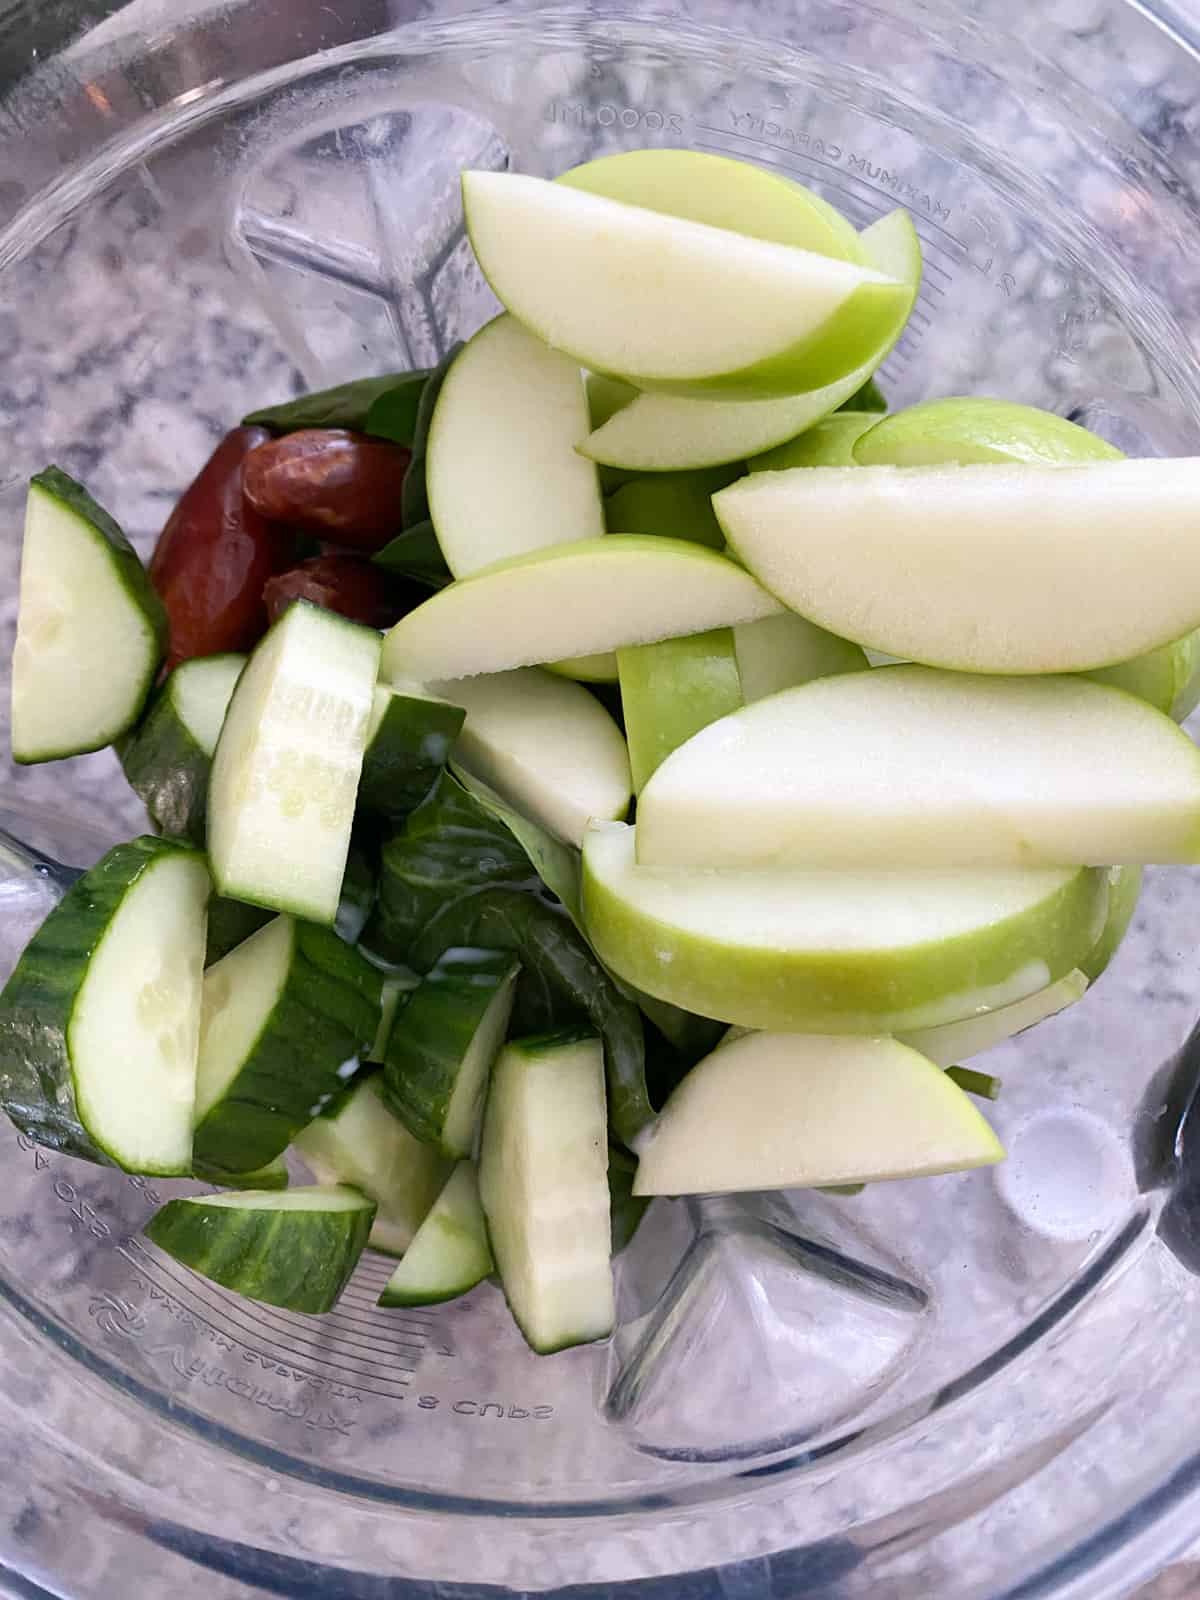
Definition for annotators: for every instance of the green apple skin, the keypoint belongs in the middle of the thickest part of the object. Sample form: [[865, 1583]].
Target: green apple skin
[[869, 398], [959, 1041], [732, 945], [1169, 677], [1124, 891], [829, 444], [579, 599], [587, 669], [629, 291], [785, 651], [671, 690], [783, 1111], [969, 429], [606, 396], [678, 504], [661, 433], [722, 192]]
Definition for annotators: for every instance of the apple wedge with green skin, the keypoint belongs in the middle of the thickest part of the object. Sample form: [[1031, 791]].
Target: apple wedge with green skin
[[665, 433], [785, 651], [572, 600], [723, 193], [970, 429], [790, 1111], [630, 291], [827, 951], [968, 567], [678, 504], [913, 767], [672, 689], [830, 443], [545, 745], [966, 431], [587, 669], [502, 471], [959, 1041]]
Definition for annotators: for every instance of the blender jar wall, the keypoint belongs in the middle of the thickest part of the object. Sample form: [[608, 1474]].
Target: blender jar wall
[[199, 212]]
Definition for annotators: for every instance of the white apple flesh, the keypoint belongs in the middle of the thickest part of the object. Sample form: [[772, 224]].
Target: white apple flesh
[[971, 567], [577, 599], [912, 767], [786, 1111]]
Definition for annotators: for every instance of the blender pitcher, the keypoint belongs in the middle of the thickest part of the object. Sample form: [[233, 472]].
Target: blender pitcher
[[954, 1389]]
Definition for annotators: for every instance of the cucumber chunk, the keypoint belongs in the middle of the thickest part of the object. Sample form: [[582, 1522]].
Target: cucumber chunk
[[282, 1015], [168, 759], [100, 1020], [285, 774], [363, 1143], [294, 1248], [450, 1253], [409, 740], [543, 1180], [90, 629], [273, 1176], [440, 1054]]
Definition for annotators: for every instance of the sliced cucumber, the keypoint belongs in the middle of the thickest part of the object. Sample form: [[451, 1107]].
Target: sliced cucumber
[[790, 1110], [393, 998], [286, 769], [409, 740], [450, 1253], [100, 1019], [502, 470], [295, 1248], [672, 689], [273, 1176], [438, 1060], [544, 744], [283, 1013], [168, 759], [90, 629], [543, 1181], [362, 1142], [784, 652]]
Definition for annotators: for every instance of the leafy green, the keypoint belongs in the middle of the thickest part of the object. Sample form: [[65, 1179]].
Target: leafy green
[[416, 554], [391, 398], [459, 875], [414, 501]]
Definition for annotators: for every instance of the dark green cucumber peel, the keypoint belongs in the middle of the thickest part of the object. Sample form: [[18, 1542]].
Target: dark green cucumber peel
[[324, 1015], [409, 747], [230, 923], [628, 1209], [386, 407], [273, 1176], [37, 1080], [167, 765], [456, 876], [432, 1063], [287, 1248], [360, 883]]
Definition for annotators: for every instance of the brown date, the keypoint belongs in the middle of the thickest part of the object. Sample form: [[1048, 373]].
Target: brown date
[[345, 584], [328, 481], [214, 556]]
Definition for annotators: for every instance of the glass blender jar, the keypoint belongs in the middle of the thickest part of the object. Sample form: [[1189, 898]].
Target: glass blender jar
[[959, 1389]]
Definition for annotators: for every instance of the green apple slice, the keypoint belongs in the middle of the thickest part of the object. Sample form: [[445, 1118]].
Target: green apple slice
[[1169, 677], [672, 689], [723, 193], [1124, 891], [829, 443], [572, 600], [827, 951], [959, 1041], [678, 504], [631, 292], [970, 567], [785, 651], [789, 1111], [665, 433], [912, 767], [545, 745], [968, 429], [502, 471], [587, 669]]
